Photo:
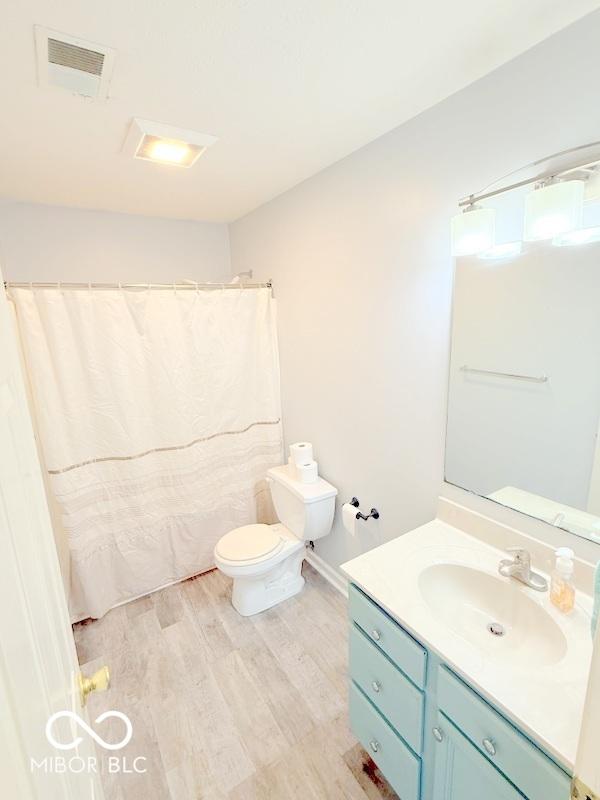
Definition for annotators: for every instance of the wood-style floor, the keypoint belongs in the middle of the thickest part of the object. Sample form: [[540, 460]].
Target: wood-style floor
[[225, 707]]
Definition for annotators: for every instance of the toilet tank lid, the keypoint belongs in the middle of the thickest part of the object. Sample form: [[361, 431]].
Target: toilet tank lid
[[307, 492]]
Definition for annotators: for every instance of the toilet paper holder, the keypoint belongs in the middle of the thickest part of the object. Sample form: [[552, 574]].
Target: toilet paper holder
[[359, 515]]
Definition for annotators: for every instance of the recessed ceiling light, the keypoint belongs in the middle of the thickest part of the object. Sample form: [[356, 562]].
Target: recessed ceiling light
[[172, 152], [165, 144], [168, 151]]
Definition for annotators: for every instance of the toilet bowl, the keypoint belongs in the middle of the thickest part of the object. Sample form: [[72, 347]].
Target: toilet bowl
[[265, 561]]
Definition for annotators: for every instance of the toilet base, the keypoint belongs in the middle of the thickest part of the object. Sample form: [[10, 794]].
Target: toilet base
[[255, 594]]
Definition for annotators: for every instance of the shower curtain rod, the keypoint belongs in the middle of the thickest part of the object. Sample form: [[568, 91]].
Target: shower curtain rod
[[189, 285]]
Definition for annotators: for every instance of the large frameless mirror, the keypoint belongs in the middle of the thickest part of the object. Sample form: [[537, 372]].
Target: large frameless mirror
[[524, 398]]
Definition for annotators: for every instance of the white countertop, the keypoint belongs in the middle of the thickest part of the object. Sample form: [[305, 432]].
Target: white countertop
[[546, 702], [573, 520]]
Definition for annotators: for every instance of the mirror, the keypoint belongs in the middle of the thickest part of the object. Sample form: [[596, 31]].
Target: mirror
[[524, 394]]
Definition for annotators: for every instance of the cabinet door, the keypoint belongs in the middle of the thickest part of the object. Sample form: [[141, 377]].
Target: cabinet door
[[462, 773]]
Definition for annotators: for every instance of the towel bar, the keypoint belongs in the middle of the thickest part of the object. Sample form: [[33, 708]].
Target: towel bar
[[531, 378]]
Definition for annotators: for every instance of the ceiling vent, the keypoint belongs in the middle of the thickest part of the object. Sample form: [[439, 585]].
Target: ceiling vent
[[80, 67]]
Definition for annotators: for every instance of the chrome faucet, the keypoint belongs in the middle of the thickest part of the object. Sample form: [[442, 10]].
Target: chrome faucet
[[520, 568]]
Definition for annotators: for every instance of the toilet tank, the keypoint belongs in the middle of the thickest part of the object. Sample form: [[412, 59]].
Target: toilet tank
[[306, 509]]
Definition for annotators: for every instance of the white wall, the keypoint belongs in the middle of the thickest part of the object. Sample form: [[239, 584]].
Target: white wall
[[52, 243], [360, 259]]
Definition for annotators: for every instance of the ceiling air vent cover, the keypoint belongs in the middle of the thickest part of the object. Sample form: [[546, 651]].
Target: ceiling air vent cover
[[70, 55], [81, 67]]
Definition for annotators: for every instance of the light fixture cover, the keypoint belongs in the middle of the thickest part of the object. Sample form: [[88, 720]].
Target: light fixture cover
[[165, 144], [554, 209], [168, 151], [592, 186], [473, 231]]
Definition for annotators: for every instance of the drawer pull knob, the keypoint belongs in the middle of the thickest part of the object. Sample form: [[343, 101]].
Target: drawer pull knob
[[376, 686], [489, 747], [437, 734], [374, 745], [375, 634]]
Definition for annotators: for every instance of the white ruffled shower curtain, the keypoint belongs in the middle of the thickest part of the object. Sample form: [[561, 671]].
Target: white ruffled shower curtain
[[158, 413]]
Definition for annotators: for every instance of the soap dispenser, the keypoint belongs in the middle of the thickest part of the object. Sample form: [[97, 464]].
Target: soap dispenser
[[562, 589]]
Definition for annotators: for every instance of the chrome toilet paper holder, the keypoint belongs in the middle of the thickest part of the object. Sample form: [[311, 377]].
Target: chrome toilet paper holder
[[359, 515]]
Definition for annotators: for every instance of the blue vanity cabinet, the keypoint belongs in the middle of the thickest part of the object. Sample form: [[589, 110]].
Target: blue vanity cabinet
[[499, 741], [400, 702], [391, 638], [430, 733], [461, 773], [399, 764]]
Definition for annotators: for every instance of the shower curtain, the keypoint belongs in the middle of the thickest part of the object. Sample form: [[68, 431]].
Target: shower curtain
[[158, 413]]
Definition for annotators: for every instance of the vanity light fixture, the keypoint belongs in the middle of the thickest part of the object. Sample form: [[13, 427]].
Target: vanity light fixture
[[504, 250], [562, 181], [581, 236], [164, 144], [473, 231], [553, 209]]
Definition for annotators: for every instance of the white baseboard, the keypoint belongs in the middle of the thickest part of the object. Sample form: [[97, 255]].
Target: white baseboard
[[328, 572]]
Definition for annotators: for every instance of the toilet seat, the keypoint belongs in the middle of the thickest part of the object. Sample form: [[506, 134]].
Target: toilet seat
[[249, 543]]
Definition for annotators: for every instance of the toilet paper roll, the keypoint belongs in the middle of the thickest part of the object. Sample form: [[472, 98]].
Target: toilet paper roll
[[308, 472], [349, 518], [301, 453]]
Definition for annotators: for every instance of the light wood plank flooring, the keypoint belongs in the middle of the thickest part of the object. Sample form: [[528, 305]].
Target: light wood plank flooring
[[230, 708]]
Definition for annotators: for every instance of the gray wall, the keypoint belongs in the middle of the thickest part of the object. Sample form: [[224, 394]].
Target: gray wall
[[360, 259], [52, 243]]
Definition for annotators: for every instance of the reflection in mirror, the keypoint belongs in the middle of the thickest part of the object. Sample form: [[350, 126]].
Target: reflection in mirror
[[524, 398]]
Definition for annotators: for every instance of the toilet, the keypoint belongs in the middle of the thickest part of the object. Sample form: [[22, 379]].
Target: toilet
[[265, 561]]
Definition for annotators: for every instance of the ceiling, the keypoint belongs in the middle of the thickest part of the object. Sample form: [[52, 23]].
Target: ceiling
[[288, 86]]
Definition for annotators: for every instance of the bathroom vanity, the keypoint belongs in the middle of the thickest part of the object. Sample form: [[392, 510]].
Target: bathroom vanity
[[447, 708]]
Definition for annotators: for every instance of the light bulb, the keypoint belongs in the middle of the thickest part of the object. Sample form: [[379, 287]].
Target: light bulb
[[173, 152]]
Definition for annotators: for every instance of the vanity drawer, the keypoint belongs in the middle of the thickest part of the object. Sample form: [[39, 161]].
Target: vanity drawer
[[389, 636], [401, 768], [387, 688], [532, 772]]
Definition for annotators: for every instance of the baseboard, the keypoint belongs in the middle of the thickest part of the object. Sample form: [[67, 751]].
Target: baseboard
[[328, 572]]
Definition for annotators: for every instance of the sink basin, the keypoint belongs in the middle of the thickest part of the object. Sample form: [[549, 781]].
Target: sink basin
[[494, 614]]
